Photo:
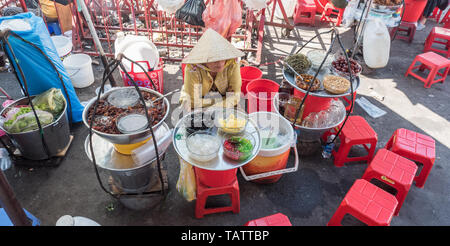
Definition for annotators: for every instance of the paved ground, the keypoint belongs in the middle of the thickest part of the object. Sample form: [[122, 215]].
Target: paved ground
[[309, 196]]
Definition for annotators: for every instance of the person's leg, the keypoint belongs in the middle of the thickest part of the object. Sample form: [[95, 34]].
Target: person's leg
[[421, 23]]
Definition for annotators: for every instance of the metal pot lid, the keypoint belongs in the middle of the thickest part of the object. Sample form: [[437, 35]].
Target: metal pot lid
[[131, 123]]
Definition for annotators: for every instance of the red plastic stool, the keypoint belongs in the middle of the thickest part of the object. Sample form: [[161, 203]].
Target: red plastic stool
[[305, 12], [436, 36], [446, 20], [433, 62], [278, 219], [367, 203], [356, 131], [393, 170], [332, 14], [203, 192], [408, 27], [416, 147]]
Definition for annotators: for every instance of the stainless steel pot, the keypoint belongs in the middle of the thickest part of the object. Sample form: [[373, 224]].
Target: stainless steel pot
[[128, 176], [126, 138], [56, 135]]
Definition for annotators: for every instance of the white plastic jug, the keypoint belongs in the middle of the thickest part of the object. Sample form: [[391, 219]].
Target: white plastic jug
[[376, 44], [137, 48]]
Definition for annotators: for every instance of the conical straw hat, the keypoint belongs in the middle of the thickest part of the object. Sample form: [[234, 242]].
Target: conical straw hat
[[212, 47]]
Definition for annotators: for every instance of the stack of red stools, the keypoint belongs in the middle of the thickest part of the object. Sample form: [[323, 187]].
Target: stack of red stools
[[394, 171], [305, 12], [395, 167], [433, 62], [278, 219], [332, 14]]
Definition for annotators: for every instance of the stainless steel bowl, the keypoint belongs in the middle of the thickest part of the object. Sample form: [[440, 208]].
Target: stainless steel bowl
[[126, 138]]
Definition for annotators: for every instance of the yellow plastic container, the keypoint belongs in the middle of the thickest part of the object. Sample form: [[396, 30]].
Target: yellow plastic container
[[126, 149]]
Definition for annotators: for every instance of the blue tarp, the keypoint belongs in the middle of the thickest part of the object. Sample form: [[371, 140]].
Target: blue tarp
[[39, 73], [6, 221]]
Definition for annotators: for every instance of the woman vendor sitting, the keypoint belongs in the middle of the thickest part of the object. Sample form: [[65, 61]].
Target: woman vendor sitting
[[211, 70]]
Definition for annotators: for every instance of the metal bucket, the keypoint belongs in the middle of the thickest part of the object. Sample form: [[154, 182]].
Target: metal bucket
[[56, 136], [127, 175]]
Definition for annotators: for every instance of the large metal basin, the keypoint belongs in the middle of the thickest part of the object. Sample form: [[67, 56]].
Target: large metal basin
[[56, 136], [126, 138]]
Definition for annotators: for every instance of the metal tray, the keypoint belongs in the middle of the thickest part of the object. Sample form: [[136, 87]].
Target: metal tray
[[221, 162], [321, 92]]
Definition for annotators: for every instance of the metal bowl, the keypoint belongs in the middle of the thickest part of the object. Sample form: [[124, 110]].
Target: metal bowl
[[130, 138], [308, 133]]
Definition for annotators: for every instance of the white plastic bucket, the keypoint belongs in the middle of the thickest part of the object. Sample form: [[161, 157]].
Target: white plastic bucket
[[270, 162], [79, 68], [63, 45]]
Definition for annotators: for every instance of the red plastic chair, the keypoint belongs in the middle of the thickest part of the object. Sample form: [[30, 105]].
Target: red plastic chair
[[332, 14], [305, 12], [367, 203], [393, 170], [437, 36], [433, 62], [414, 146], [278, 219]]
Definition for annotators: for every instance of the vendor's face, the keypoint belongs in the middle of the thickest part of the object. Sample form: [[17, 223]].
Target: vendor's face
[[216, 67]]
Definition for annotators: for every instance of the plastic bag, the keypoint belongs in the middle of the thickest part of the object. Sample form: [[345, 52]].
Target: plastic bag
[[223, 16], [146, 152], [186, 183], [255, 4], [170, 6], [5, 160], [27, 122], [191, 12], [349, 13], [51, 101]]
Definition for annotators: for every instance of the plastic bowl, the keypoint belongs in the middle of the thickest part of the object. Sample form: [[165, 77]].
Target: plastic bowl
[[213, 144], [320, 54], [234, 153], [199, 121], [224, 124]]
